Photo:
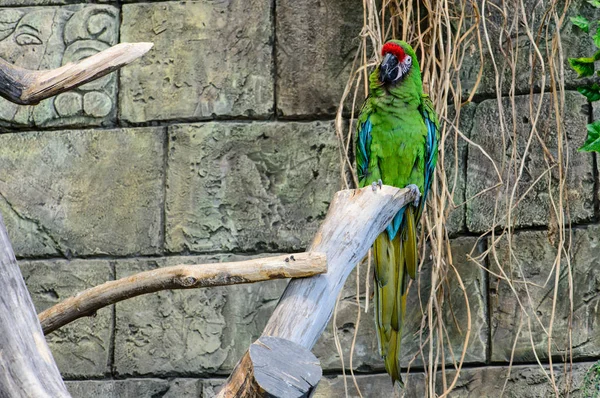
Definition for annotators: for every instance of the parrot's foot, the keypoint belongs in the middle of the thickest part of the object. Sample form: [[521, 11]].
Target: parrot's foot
[[415, 191], [379, 184]]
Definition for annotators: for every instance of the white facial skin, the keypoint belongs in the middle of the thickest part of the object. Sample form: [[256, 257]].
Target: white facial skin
[[403, 67]]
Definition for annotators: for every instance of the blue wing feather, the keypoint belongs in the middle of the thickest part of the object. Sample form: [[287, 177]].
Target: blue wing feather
[[364, 148], [430, 153]]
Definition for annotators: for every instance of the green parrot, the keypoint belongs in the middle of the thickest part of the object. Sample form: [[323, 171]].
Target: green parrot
[[396, 145]]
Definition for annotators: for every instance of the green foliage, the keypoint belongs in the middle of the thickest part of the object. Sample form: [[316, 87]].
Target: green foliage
[[594, 3], [585, 68], [581, 22], [592, 93], [591, 382], [592, 143]]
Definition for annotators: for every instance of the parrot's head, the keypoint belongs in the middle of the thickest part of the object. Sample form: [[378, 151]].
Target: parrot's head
[[399, 60]]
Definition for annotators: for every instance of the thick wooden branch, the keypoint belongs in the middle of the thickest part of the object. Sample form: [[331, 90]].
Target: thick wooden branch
[[86, 303], [278, 368], [27, 368], [26, 87], [354, 220]]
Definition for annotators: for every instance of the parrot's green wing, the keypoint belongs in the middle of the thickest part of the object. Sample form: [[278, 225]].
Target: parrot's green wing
[[431, 148], [363, 146]]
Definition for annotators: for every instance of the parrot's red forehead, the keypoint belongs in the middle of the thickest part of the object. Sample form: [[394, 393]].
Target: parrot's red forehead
[[394, 49]]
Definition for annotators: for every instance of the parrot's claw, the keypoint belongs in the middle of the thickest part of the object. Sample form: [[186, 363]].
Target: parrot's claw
[[416, 192], [376, 184]]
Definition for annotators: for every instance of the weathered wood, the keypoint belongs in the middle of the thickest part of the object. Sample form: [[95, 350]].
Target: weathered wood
[[27, 368], [86, 303], [276, 367], [26, 87], [354, 220]]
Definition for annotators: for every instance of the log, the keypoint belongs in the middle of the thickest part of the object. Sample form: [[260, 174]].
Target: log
[[27, 368], [278, 368], [86, 303], [354, 220], [28, 87]]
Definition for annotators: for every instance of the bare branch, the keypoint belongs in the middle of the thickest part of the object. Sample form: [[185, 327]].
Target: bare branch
[[86, 303], [27, 87]]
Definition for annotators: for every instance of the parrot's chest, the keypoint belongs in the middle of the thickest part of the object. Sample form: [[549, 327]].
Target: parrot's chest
[[399, 145]]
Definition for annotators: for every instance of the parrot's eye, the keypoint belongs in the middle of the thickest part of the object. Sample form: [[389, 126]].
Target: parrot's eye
[[408, 60]]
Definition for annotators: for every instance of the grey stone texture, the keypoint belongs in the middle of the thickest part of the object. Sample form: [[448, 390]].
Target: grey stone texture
[[189, 333], [455, 164], [366, 353], [139, 388], [535, 208], [249, 186], [82, 348], [316, 45], [49, 37], [83, 192], [507, 44], [534, 255], [205, 63]]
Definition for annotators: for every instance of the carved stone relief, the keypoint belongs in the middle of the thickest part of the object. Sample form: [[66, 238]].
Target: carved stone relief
[[49, 37]]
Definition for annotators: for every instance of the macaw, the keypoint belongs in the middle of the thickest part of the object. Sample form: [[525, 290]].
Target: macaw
[[397, 144]]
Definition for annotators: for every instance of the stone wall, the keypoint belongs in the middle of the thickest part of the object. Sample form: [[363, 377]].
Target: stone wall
[[219, 145]]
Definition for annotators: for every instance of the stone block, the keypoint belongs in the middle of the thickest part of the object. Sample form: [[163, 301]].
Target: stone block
[[535, 208], [249, 186], [523, 382], [316, 45], [533, 258], [366, 356], [136, 388], [207, 60], [82, 348], [49, 37], [376, 385], [83, 192], [455, 164], [189, 333], [509, 45]]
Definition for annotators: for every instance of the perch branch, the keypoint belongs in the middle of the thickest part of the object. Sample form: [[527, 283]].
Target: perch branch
[[27, 87], [86, 303], [354, 220]]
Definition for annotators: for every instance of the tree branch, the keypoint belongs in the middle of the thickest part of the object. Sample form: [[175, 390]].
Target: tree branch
[[86, 303], [354, 220], [27, 87], [27, 368]]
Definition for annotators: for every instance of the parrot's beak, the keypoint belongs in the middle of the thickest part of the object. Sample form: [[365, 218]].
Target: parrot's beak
[[389, 70]]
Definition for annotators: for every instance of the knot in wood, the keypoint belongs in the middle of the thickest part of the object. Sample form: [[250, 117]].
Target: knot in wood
[[188, 281]]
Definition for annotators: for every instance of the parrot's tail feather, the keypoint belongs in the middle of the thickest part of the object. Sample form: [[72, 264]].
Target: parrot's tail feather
[[410, 241], [390, 298]]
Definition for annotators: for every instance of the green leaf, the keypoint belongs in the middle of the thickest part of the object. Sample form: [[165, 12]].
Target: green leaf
[[583, 66], [592, 143], [594, 3], [597, 54], [596, 38], [581, 22], [591, 93]]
